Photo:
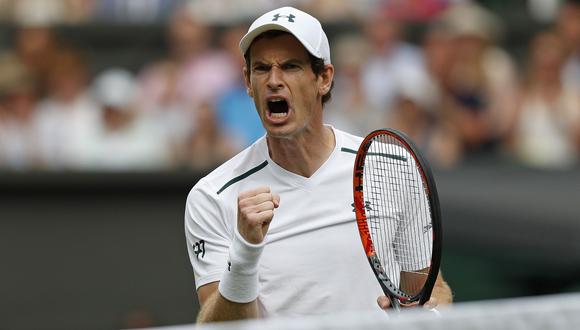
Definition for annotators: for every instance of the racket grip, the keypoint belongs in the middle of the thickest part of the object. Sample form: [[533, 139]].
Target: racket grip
[[395, 304]]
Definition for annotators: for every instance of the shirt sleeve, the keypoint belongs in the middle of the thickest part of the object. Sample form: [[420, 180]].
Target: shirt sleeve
[[207, 233]]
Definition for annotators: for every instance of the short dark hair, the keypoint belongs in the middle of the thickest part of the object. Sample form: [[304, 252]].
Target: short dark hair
[[317, 64]]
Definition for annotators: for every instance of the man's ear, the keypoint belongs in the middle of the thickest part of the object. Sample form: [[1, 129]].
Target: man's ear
[[247, 82], [326, 77]]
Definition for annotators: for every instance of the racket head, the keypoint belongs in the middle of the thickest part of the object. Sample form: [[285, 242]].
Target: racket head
[[379, 195]]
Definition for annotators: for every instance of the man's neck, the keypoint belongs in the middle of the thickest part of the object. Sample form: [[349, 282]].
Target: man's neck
[[303, 154]]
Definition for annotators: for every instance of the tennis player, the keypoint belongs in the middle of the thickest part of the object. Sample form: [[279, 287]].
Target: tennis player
[[272, 231]]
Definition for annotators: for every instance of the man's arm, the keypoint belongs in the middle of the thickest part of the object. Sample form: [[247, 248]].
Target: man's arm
[[441, 292], [214, 307], [234, 297]]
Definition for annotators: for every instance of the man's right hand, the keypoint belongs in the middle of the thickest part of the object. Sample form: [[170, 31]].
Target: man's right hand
[[255, 212]]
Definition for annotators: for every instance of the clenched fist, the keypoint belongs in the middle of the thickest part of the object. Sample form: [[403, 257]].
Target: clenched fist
[[255, 212]]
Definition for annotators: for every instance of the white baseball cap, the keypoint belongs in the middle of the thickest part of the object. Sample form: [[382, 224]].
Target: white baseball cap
[[303, 26]]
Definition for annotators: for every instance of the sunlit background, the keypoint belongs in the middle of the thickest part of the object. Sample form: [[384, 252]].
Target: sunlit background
[[111, 110]]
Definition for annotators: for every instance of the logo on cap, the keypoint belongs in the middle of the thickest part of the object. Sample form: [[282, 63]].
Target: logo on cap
[[289, 17]]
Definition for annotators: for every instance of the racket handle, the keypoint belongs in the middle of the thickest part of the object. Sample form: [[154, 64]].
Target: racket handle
[[395, 304]]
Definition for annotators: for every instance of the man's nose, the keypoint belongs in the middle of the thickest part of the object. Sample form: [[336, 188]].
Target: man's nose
[[275, 78]]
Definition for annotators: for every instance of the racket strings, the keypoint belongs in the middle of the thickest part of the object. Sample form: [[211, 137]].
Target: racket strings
[[397, 212]]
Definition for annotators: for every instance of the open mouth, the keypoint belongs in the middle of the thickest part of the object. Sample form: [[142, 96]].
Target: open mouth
[[278, 108]]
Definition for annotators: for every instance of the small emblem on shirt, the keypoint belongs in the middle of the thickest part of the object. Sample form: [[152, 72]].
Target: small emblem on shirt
[[199, 248], [427, 228], [229, 266]]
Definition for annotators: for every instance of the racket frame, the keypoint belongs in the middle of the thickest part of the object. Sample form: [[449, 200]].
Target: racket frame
[[389, 288]]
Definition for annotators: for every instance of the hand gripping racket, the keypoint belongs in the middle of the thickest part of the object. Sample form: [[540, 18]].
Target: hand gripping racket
[[398, 216]]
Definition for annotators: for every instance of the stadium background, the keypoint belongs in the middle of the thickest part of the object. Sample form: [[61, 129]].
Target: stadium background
[[101, 248]]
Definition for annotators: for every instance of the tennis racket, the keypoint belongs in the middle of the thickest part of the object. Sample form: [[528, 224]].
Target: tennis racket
[[398, 216]]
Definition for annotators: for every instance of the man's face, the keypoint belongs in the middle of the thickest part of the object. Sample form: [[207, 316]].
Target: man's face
[[286, 91]]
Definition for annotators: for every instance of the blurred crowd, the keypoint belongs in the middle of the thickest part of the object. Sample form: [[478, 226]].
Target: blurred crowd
[[455, 90]]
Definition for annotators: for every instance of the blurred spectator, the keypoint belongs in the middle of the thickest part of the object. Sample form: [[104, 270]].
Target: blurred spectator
[[193, 74], [124, 140], [37, 13], [546, 131], [480, 83], [47, 12], [36, 46], [438, 51], [18, 142], [236, 112], [349, 108], [224, 12], [416, 113], [445, 145], [5, 10], [79, 11], [568, 26], [390, 61], [52, 12], [135, 11], [415, 10], [457, 92], [208, 145], [544, 11], [338, 11], [68, 116]]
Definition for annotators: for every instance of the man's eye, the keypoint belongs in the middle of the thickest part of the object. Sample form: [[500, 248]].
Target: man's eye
[[260, 68], [290, 66]]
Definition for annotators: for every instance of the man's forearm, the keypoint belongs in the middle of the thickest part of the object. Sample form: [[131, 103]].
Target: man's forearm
[[442, 291], [217, 309]]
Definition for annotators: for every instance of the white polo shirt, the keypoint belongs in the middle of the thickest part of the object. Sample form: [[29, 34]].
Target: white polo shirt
[[313, 261]]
